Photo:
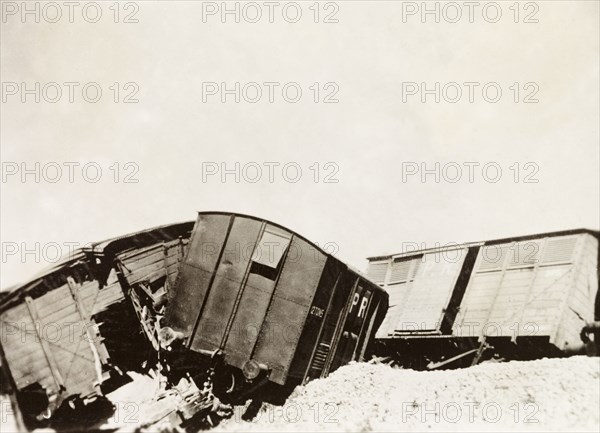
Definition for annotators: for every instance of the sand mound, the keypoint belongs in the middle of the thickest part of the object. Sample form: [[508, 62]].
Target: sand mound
[[548, 394]]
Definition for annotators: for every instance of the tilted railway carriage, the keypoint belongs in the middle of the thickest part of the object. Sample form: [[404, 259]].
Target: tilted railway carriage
[[517, 298], [272, 307]]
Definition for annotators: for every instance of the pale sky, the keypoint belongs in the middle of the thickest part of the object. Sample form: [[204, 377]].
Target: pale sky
[[368, 136]]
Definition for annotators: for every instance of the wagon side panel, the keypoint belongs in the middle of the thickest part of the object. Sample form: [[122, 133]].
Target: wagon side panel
[[222, 299], [196, 272], [288, 309]]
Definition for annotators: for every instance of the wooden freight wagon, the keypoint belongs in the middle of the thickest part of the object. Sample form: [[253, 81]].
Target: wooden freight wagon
[[50, 341], [522, 297], [62, 332], [267, 306]]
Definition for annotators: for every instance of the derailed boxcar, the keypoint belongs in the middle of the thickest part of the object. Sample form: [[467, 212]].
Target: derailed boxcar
[[268, 306], [50, 341], [519, 298], [63, 332]]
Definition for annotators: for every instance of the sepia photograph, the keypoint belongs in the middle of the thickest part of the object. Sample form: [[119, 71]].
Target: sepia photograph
[[297, 216]]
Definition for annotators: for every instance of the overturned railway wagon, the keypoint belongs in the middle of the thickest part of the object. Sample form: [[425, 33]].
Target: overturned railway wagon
[[269, 307], [55, 343], [518, 298]]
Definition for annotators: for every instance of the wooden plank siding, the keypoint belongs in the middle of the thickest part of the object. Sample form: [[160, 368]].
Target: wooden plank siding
[[154, 262], [54, 341], [579, 307], [552, 295], [51, 340], [420, 288], [539, 288]]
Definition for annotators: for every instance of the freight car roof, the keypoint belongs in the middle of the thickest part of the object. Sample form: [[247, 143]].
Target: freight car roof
[[63, 262], [140, 238], [595, 233], [102, 248]]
